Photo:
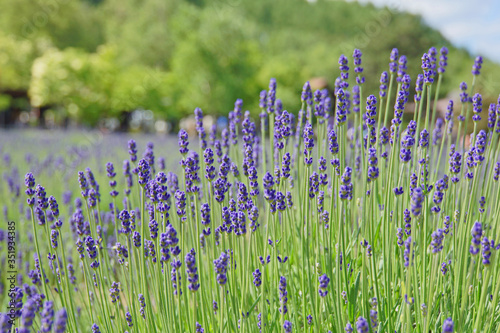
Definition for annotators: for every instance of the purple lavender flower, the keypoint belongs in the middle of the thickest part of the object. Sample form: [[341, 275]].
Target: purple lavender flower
[[268, 183], [198, 115], [40, 216], [124, 217], [41, 195], [5, 323], [153, 228], [399, 235], [393, 64], [47, 317], [254, 185], [95, 328], [444, 268], [285, 165], [114, 292], [496, 171], [455, 163], [362, 325], [407, 220], [480, 147], [373, 170], [143, 172], [449, 111], [308, 143], [137, 239], [492, 116], [399, 107], [371, 111], [215, 307], [345, 192], [406, 253], [313, 184], [333, 142], [323, 284], [180, 202], [443, 60], [418, 88], [132, 150], [341, 107], [175, 277], [172, 183], [164, 248], [497, 127], [283, 295], [54, 234], [149, 156], [384, 135], [402, 68], [424, 139], [28, 314], [486, 251], [464, 97], [161, 163], [221, 265], [477, 232], [92, 251], [448, 326], [263, 99], [384, 79], [205, 214], [128, 318], [142, 305], [287, 326], [374, 319], [271, 96], [437, 241], [60, 321], [476, 68], [477, 107], [427, 68], [355, 99], [344, 71], [54, 207], [360, 79], [482, 203], [183, 142], [408, 142], [257, 281], [239, 223], [192, 271]]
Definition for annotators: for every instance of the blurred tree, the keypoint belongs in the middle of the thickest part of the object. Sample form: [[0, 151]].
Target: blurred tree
[[75, 82], [66, 23], [215, 61], [90, 59], [141, 30]]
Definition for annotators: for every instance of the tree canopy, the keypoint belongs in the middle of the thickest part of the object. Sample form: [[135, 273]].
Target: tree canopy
[[89, 60]]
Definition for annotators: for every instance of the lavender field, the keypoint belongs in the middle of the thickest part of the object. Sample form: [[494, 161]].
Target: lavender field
[[351, 214]]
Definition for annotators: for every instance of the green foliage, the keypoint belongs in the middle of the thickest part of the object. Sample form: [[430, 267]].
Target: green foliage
[[94, 59], [88, 87], [66, 23], [79, 82], [16, 56], [215, 62]]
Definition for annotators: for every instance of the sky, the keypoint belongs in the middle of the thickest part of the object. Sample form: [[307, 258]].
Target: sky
[[472, 24]]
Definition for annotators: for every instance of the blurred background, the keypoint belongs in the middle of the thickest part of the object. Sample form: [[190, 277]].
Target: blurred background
[[144, 65]]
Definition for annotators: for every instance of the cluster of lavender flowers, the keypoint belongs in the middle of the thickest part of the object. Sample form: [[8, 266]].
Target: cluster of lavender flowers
[[331, 219]]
